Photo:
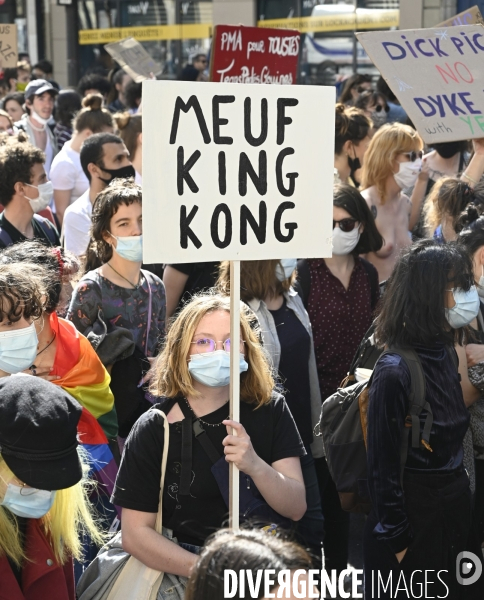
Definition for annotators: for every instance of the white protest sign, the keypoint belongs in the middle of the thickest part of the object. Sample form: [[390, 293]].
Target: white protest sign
[[236, 172], [134, 59], [8, 46], [438, 76]]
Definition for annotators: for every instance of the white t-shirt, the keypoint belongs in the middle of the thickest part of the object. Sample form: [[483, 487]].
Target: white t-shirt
[[77, 222], [66, 172]]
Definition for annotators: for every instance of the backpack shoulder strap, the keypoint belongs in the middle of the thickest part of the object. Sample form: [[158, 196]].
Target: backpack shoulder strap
[[47, 228], [374, 285], [417, 402], [5, 238], [304, 279]]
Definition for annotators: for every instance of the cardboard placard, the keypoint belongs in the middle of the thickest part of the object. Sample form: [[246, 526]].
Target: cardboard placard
[[468, 17], [236, 172], [254, 55], [8, 46], [134, 59], [437, 76]]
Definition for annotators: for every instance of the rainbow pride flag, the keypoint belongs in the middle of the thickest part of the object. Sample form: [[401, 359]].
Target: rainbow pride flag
[[84, 377]]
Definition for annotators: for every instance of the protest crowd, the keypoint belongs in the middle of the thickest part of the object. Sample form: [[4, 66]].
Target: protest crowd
[[114, 373]]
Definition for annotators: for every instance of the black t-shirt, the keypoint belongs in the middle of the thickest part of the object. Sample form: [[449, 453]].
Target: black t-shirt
[[201, 277], [39, 233], [273, 435], [294, 368]]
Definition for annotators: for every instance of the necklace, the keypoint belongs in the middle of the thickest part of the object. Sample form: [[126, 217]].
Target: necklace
[[201, 420], [123, 277], [33, 367]]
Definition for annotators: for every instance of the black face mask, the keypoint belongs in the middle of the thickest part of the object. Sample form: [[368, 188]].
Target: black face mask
[[447, 149], [121, 173], [354, 164]]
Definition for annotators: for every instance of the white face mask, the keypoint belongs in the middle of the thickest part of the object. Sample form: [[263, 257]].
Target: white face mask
[[46, 191], [285, 268], [408, 173], [344, 242], [38, 118]]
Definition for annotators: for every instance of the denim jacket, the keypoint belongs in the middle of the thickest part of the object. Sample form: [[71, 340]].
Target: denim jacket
[[273, 350]]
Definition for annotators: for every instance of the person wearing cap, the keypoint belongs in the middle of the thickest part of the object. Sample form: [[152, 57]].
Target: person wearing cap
[[39, 104], [43, 503]]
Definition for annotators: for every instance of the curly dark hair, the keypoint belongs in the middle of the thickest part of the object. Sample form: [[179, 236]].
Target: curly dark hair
[[245, 549], [16, 162], [93, 81], [106, 205], [57, 265], [413, 305], [22, 291]]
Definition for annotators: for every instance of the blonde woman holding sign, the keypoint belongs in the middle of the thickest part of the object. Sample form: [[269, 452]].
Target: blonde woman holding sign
[[191, 379]]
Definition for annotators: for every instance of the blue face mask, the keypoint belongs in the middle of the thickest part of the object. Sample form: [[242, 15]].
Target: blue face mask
[[213, 370], [18, 349], [465, 309], [130, 247], [29, 503], [285, 268]]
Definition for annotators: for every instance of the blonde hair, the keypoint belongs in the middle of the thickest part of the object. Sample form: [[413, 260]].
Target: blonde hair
[[172, 377], [389, 141], [257, 279], [448, 197], [70, 514]]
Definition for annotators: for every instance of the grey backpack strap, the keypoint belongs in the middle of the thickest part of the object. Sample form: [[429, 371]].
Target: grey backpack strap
[[5, 238], [417, 401]]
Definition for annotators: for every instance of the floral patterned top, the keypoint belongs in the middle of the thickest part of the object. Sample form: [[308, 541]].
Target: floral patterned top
[[122, 307]]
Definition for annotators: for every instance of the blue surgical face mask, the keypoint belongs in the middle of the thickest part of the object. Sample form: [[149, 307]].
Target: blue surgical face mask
[[213, 370], [18, 349], [465, 309], [129, 247], [26, 502], [285, 268]]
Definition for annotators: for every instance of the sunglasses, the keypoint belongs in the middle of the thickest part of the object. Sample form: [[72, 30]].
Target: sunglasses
[[346, 225], [413, 155], [379, 108]]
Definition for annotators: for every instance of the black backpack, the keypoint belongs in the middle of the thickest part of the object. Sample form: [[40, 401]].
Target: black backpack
[[343, 425]]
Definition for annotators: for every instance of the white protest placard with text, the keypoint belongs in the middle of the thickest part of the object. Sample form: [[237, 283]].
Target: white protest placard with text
[[8, 46], [438, 76], [134, 59], [236, 172]]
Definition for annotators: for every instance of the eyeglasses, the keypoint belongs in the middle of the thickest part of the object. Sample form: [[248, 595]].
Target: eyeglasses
[[346, 225], [208, 346], [360, 89], [379, 108], [413, 155]]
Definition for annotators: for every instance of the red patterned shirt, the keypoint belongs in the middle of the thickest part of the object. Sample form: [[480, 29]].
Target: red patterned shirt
[[339, 319]]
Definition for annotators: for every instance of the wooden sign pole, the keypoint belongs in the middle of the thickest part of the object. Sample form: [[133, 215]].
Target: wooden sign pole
[[234, 384]]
